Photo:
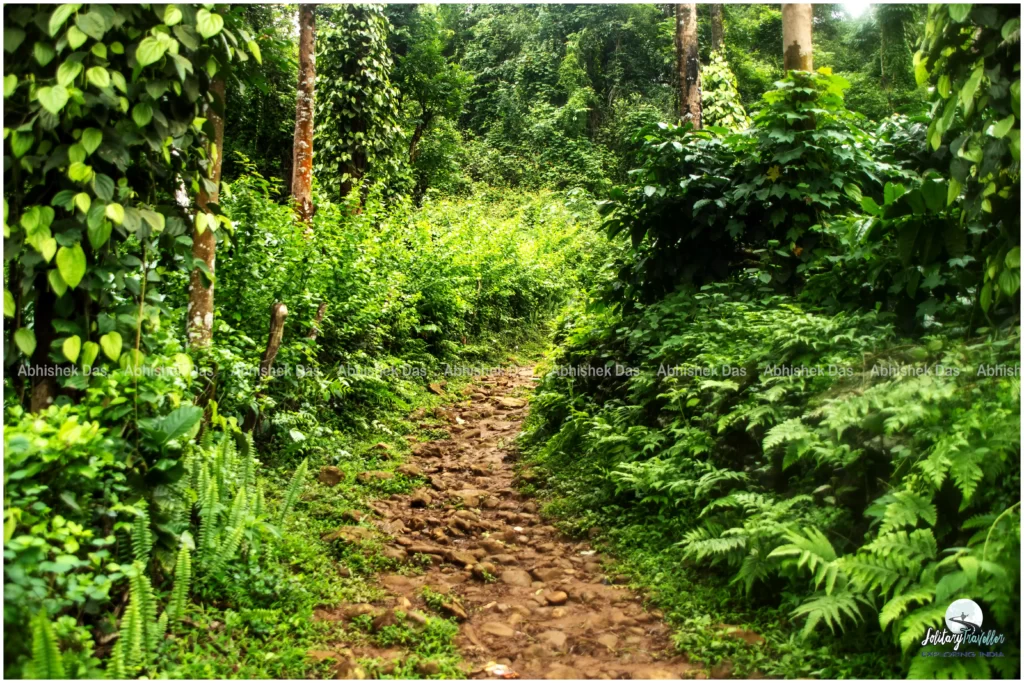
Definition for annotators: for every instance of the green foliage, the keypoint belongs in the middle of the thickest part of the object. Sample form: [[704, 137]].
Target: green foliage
[[870, 486], [720, 101], [757, 197], [971, 55], [356, 104]]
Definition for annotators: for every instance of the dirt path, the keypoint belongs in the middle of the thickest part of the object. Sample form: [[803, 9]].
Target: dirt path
[[526, 597]]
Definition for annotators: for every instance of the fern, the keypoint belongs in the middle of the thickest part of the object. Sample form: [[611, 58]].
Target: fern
[[142, 536], [294, 489], [830, 609], [182, 584], [813, 551], [46, 662]]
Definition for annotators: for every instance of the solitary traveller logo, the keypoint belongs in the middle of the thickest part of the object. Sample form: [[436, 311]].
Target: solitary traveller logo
[[963, 625]]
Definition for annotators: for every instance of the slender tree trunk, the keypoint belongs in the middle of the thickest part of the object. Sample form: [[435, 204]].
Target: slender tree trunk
[[688, 63], [796, 37], [302, 146], [417, 134], [314, 329], [278, 313], [204, 244], [44, 389], [717, 32]]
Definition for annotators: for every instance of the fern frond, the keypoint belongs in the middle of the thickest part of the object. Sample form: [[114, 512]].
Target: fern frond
[[46, 662], [832, 610], [142, 536], [293, 491], [182, 584]]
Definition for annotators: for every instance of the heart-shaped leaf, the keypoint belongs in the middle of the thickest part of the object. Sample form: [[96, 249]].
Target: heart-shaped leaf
[[142, 114], [98, 76], [208, 23], [99, 233], [59, 16], [56, 282], [83, 202], [115, 212], [149, 51], [25, 340], [71, 264], [68, 72], [111, 345], [89, 352], [48, 247], [53, 98], [71, 347]]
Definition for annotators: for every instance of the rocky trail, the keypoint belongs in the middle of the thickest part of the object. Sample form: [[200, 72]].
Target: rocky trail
[[530, 602]]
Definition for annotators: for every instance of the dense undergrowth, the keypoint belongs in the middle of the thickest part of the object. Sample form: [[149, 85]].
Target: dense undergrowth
[[213, 542], [793, 400]]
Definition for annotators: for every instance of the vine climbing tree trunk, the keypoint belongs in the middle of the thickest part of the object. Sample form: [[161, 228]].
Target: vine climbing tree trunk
[[688, 63], [717, 32], [302, 146], [796, 37], [204, 242]]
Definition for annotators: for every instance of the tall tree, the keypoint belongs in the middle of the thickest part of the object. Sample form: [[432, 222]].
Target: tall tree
[[302, 147], [357, 106], [204, 240], [796, 36], [717, 32], [688, 63]]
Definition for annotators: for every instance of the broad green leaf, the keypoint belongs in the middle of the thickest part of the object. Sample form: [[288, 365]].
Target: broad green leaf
[[21, 143], [83, 201], [115, 212], [255, 50], [172, 15], [25, 340], [53, 98], [111, 345], [970, 87], [71, 264], [959, 12], [44, 53], [57, 283], [1009, 282], [59, 16], [208, 23], [10, 308], [1012, 259], [149, 51], [1001, 128], [79, 172], [10, 85], [48, 247], [155, 220], [68, 72], [89, 352], [98, 76], [100, 50], [91, 139], [76, 37], [142, 114], [71, 347], [99, 233]]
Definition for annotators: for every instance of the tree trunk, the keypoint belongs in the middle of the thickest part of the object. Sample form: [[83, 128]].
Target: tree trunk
[[796, 37], [314, 329], [278, 312], [204, 244], [302, 146], [688, 62], [417, 134], [44, 388], [717, 32]]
